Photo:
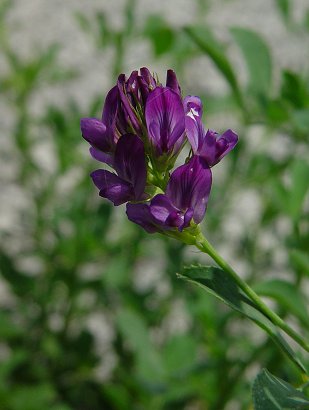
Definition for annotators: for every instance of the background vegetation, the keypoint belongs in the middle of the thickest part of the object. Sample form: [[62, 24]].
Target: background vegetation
[[92, 314]]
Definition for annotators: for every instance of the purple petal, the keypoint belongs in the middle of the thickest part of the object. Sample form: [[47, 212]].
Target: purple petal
[[101, 156], [208, 148], [189, 187], [112, 187], [164, 212], [127, 102], [167, 215], [130, 163], [165, 119], [187, 219], [140, 214], [226, 143], [216, 146], [172, 82], [195, 133], [94, 131], [143, 88], [148, 78], [132, 84], [193, 106], [111, 107]]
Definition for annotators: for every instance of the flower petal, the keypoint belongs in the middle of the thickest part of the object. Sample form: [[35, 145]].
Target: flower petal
[[130, 163], [226, 143], [208, 147], [163, 210], [187, 219], [94, 131], [189, 187], [195, 133], [127, 102], [101, 156], [112, 187], [172, 82], [165, 119], [148, 78], [111, 107], [216, 146], [193, 106], [132, 85], [140, 214]]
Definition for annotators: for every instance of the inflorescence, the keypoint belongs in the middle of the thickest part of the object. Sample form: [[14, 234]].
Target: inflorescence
[[143, 129]]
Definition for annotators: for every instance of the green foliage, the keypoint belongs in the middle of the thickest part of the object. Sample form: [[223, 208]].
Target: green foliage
[[205, 40], [160, 34], [92, 316], [284, 7], [257, 58], [219, 283], [272, 393]]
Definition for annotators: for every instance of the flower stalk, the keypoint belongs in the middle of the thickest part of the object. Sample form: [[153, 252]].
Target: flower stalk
[[203, 245]]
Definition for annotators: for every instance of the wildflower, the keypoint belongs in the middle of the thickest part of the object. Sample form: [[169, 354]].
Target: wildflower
[[144, 127], [129, 163], [209, 145], [123, 112], [186, 199], [101, 134], [165, 121]]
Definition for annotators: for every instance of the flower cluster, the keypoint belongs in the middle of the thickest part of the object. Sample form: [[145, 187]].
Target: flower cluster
[[144, 127]]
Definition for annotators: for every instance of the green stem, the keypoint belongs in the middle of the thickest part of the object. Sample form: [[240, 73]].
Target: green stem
[[202, 244]]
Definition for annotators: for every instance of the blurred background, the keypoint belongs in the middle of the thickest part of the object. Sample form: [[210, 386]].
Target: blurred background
[[92, 315]]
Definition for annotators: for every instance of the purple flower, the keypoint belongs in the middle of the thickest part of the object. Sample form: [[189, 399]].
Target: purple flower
[[129, 97], [165, 121], [193, 106], [185, 200], [144, 126], [172, 82], [129, 163], [209, 145], [101, 134], [123, 112]]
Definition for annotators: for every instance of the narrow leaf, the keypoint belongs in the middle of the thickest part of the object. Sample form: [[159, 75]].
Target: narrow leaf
[[218, 283], [284, 8], [271, 393], [287, 295], [204, 39], [257, 58], [300, 261], [299, 188]]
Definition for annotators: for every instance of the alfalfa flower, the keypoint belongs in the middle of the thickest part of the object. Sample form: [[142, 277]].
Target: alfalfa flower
[[185, 200], [144, 127], [130, 181], [208, 144]]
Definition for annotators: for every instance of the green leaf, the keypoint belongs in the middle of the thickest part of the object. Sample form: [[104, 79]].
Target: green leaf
[[271, 393], [204, 39], [306, 20], [299, 187], [20, 283], [8, 329], [134, 330], [180, 354], [218, 283], [287, 295], [284, 8], [32, 397], [257, 58], [300, 260], [160, 34], [300, 119], [290, 198], [294, 89]]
